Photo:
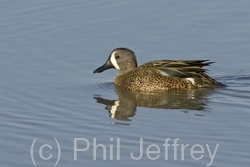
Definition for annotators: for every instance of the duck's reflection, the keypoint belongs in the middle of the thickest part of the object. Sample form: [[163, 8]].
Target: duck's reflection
[[125, 106]]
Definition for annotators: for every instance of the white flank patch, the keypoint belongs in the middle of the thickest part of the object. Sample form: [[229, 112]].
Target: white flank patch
[[113, 109], [113, 61], [191, 80]]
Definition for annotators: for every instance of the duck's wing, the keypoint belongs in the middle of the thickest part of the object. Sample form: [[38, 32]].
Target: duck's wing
[[179, 68]]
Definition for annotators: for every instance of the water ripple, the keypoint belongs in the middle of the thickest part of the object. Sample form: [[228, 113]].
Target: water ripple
[[106, 85], [237, 90]]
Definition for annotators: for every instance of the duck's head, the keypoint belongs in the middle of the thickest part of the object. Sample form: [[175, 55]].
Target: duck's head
[[122, 59]]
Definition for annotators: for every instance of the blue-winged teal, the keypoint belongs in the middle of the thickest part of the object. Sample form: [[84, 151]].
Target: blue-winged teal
[[157, 75]]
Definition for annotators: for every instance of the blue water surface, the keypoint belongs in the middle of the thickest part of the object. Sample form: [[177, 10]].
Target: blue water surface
[[49, 96]]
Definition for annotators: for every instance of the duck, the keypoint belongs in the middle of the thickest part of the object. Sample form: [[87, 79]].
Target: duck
[[157, 75]]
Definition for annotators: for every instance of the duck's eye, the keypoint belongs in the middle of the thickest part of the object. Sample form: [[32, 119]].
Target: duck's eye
[[117, 57]]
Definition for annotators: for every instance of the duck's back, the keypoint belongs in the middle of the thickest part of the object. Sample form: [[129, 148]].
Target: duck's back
[[167, 74]]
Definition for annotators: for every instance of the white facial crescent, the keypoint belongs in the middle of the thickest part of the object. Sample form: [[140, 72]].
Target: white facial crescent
[[113, 61]]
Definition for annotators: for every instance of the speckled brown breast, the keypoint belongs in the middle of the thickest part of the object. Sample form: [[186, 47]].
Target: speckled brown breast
[[149, 79]]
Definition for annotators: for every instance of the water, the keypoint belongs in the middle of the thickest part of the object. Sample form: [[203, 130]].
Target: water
[[48, 91]]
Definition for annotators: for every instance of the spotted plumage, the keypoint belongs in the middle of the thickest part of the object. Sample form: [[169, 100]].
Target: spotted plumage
[[157, 75]]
